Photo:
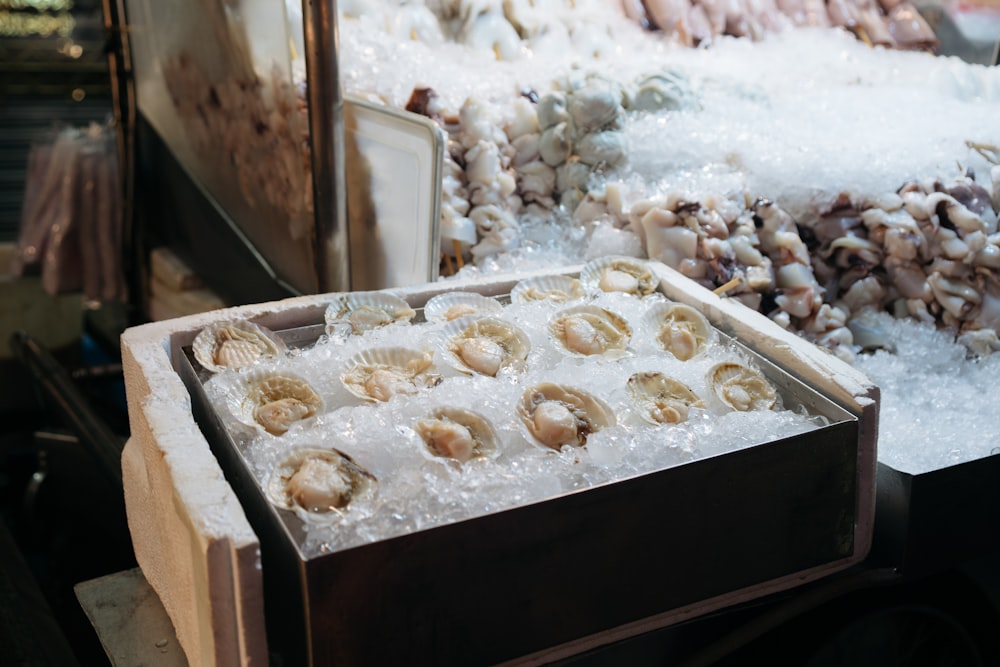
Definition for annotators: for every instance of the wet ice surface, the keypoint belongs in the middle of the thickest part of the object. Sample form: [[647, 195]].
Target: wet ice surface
[[417, 490], [935, 410]]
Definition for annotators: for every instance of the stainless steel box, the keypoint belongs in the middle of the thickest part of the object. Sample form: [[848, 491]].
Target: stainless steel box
[[545, 580]]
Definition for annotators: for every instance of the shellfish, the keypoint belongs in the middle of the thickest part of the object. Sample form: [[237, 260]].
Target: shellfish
[[358, 312], [555, 415], [234, 344], [457, 433], [619, 274], [378, 374], [553, 288], [590, 330], [679, 329], [274, 402], [453, 305], [662, 399], [318, 481], [740, 387], [484, 345]]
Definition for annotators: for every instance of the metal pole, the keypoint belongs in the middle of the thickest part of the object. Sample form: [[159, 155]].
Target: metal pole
[[71, 403], [326, 133]]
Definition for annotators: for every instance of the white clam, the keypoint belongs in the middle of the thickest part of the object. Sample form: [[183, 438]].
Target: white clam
[[662, 399], [378, 374], [274, 402], [457, 433], [587, 330], [740, 387], [484, 345], [234, 344], [679, 329], [619, 274], [552, 288], [358, 312], [453, 305], [555, 415], [318, 481]]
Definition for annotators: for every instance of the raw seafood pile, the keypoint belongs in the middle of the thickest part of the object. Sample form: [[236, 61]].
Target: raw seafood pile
[[573, 124], [484, 405]]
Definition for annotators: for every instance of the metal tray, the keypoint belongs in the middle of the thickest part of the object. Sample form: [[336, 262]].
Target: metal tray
[[583, 568]]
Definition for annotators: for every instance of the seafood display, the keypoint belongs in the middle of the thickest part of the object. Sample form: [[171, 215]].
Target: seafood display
[[521, 402], [541, 103]]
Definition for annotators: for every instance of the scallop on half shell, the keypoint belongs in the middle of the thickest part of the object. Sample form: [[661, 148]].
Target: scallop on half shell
[[587, 330], [662, 399], [740, 387], [380, 373], [359, 312], [484, 345], [555, 415], [275, 401], [453, 305], [234, 344], [679, 329], [552, 288], [318, 481], [628, 275], [457, 433]]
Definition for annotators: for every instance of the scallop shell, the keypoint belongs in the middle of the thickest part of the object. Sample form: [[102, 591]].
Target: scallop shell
[[453, 305], [679, 329], [274, 401], [662, 399], [359, 312], [484, 345], [457, 433], [586, 330], [555, 415], [619, 274], [553, 288], [234, 344], [740, 387], [318, 481], [377, 374]]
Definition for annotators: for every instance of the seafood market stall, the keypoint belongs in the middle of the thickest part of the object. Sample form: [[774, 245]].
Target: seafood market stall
[[503, 142], [327, 573]]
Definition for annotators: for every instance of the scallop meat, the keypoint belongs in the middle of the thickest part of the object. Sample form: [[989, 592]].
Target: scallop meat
[[358, 312], [555, 415], [453, 305], [380, 373], [662, 399], [457, 433], [552, 288], [318, 481], [620, 274], [679, 329], [235, 344], [740, 387], [484, 345], [587, 330], [275, 401]]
